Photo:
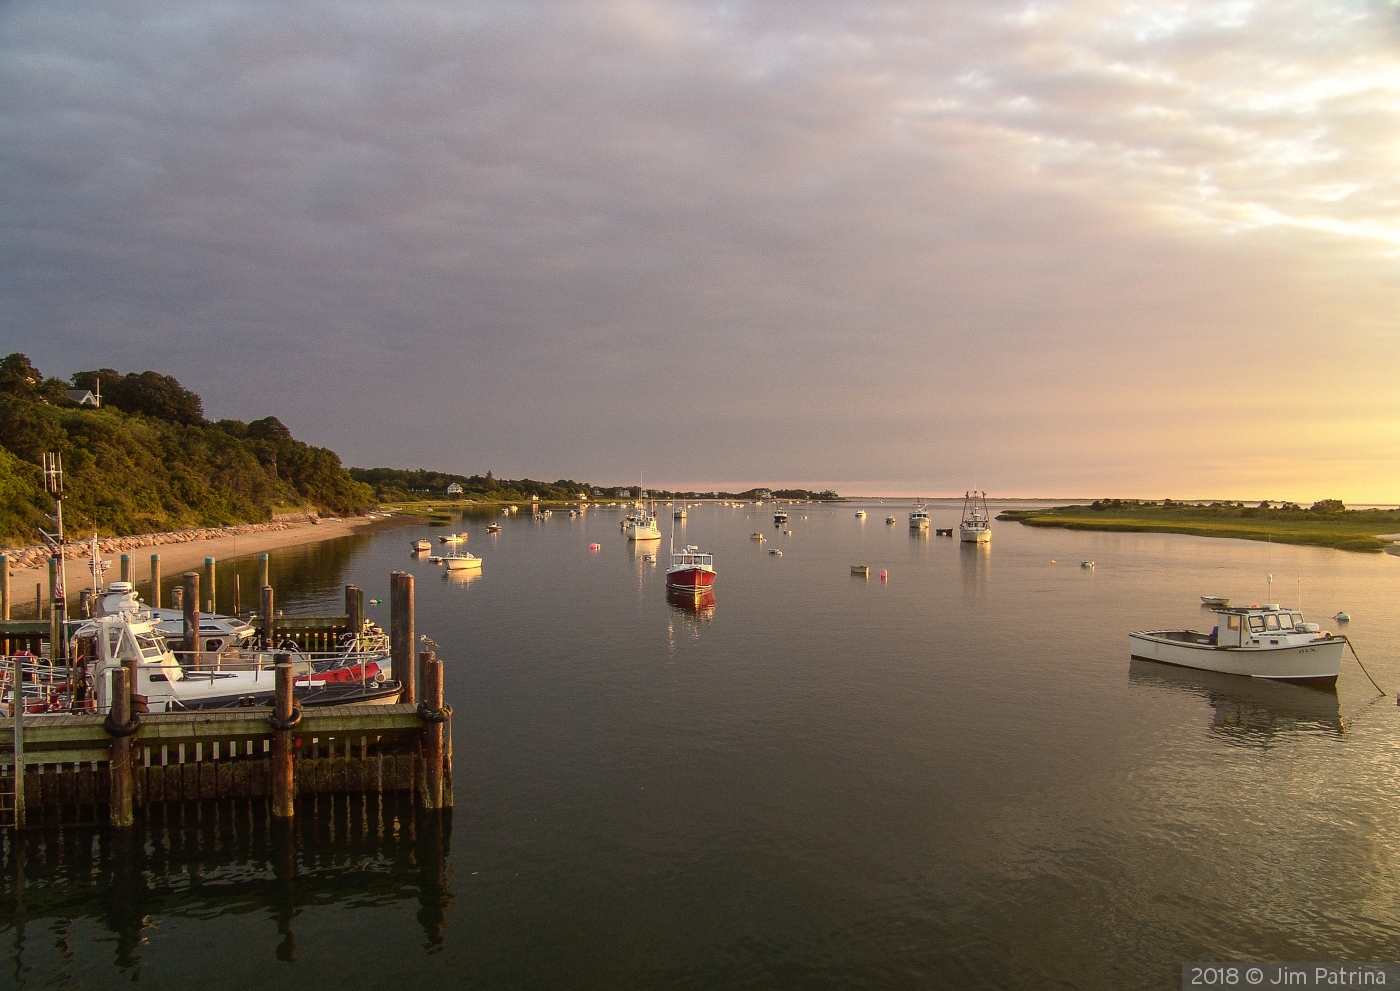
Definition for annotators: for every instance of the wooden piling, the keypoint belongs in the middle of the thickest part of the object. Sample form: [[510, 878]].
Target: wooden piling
[[263, 578], [85, 608], [121, 800], [210, 586], [189, 604], [125, 566], [155, 581], [283, 781], [4, 588], [55, 612], [430, 736], [267, 619], [355, 609], [18, 735], [401, 638]]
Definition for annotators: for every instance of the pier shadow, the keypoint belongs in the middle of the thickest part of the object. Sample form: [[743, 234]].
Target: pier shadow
[[1249, 710], [203, 860]]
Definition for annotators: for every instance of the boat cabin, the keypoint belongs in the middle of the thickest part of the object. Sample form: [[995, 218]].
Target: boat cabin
[[1257, 626]]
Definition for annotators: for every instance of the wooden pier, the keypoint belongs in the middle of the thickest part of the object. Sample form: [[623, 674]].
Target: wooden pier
[[69, 769]]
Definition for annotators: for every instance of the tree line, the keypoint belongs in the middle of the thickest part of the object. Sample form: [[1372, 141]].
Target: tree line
[[148, 460]]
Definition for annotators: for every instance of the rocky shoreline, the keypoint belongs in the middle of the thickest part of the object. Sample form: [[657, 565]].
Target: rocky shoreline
[[35, 555]]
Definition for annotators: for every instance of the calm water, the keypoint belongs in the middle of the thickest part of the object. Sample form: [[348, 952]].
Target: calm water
[[955, 779]]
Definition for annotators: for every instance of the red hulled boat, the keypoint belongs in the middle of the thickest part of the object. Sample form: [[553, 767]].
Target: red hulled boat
[[691, 570]]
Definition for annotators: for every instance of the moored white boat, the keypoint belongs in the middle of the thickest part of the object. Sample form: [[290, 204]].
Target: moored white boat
[[1258, 642], [918, 519], [421, 545], [976, 525]]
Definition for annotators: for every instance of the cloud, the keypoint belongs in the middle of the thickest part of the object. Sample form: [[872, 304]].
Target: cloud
[[897, 243]]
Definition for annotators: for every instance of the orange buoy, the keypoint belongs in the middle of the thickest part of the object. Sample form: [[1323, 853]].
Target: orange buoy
[[595, 547], [884, 575]]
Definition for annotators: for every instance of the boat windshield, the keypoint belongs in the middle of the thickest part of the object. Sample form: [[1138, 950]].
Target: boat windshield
[[1271, 622], [1285, 620], [150, 644]]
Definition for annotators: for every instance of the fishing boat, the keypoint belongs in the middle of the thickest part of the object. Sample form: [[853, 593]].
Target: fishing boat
[[890, 521], [976, 525], [494, 528], [860, 514], [1266, 641], [918, 519], [421, 545], [780, 517], [453, 538], [691, 570], [642, 526], [235, 676], [679, 514]]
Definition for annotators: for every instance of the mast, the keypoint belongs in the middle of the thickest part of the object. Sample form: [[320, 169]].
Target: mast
[[53, 485]]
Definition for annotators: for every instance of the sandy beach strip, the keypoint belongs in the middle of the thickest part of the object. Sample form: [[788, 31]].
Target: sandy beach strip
[[189, 555]]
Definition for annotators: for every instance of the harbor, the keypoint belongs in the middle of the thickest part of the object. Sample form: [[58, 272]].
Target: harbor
[[626, 759]]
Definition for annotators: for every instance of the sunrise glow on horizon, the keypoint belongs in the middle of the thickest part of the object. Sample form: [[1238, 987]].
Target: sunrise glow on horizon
[[1092, 247]]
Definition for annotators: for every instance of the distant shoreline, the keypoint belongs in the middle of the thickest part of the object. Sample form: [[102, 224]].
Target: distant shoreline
[[1364, 531]]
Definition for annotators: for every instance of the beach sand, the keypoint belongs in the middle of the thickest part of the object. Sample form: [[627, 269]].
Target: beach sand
[[177, 558]]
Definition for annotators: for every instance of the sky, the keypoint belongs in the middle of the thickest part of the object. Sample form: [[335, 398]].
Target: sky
[[1094, 247]]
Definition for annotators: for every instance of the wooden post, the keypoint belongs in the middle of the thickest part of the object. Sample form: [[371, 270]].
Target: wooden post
[[430, 735], [55, 613], [237, 597], [263, 579], [267, 619], [19, 742], [85, 603], [355, 609], [283, 780], [155, 580], [38, 600], [4, 588], [189, 603], [125, 568], [120, 802], [210, 587], [401, 639]]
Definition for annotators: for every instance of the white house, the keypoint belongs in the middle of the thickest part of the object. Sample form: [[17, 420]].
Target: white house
[[454, 489], [83, 397]]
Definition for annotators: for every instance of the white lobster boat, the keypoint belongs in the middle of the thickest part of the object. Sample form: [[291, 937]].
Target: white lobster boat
[[1258, 642], [976, 525], [236, 676]]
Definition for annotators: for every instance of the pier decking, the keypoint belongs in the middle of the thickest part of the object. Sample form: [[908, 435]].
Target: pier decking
[[86, 768]]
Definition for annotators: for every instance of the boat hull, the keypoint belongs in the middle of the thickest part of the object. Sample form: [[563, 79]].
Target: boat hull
[[976, 535], [1317, 661], [461, 563], [639, 532], [696, 580]]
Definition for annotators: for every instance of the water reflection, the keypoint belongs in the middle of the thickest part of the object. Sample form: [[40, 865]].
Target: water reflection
[[975, 567], [691, 606], [1249, 711], [461, 577], [217, 859]]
